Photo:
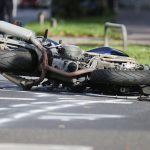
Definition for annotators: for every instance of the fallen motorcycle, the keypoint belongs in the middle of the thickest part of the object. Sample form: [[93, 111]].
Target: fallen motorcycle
[[48, 63]]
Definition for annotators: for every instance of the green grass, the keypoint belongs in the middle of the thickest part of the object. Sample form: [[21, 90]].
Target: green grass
[[140, 52], [90, 27], [75, 27]]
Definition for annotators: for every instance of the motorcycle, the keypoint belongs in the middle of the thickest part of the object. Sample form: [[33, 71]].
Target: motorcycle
[[28, 60]]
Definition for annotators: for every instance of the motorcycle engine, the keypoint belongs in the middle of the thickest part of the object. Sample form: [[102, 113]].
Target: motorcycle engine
[[64, 64], [71, 52], [66, 58]]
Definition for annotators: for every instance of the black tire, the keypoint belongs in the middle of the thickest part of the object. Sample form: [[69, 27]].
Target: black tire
[[120, 77], [21, 60]]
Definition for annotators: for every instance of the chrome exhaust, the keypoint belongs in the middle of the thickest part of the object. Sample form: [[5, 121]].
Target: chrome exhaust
[[16, 31]]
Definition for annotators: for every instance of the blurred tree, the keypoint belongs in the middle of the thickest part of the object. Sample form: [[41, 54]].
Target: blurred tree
[[111, 5], [81, 8], [101, 6], [66, 8]]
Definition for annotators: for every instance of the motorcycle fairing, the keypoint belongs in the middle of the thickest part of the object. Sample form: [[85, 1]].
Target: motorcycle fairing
[[108, 50]]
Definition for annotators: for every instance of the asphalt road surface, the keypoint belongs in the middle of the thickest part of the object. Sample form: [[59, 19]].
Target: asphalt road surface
[[44, 120]]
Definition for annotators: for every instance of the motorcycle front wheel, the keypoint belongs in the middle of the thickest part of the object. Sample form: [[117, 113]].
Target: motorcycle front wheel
[[120, 77]]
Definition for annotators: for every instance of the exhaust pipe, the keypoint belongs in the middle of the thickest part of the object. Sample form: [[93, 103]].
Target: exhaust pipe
[[16, 31], [69, 74], [20, 32]]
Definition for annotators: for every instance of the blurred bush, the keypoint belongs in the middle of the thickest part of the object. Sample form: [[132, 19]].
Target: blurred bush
[[80, 8]]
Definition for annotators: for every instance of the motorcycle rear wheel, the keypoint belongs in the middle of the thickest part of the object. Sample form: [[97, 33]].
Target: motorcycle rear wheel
[[19, 60]]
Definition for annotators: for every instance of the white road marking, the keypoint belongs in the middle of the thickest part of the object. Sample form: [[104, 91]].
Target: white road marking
[[39, 103], [69, 104], [5, 120], [66, 98], [2, 109], [16, 98], [43, 95], [45, 109], [110, 96], [12, 146], [33, 103], [78, 95], [79, 116], [116, 101], [20, 115], [20, 105], [61, 103], [32, 112]]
